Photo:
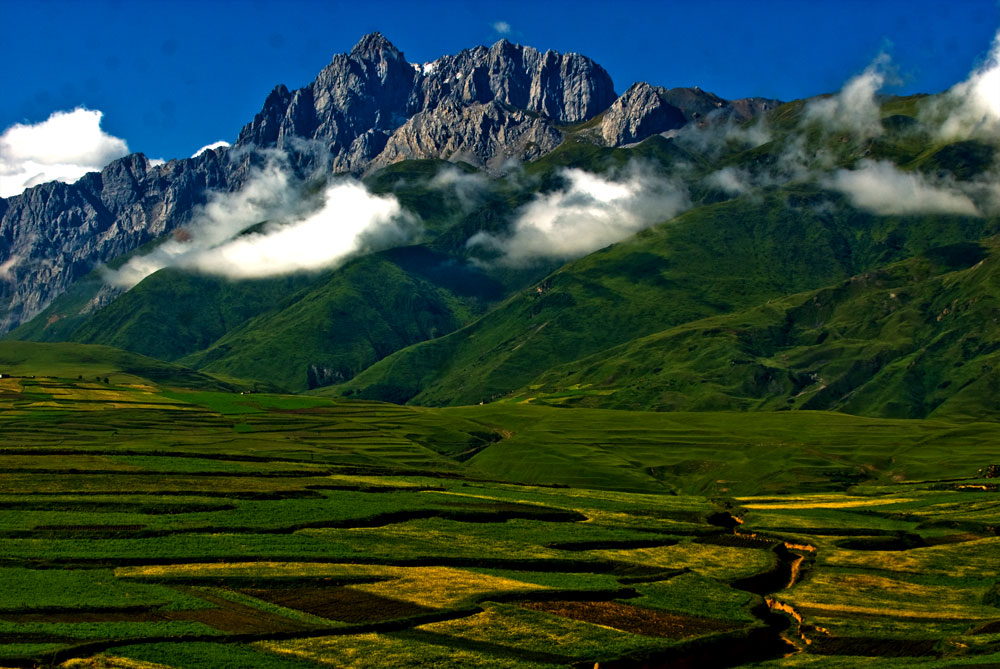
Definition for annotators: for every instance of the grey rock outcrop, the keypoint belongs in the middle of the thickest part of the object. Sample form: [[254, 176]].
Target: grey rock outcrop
[[644, 110], [372, 101], [484, 135], [55, 233]]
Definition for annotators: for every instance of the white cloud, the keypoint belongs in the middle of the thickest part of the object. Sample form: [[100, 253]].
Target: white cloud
[[265, 195], [591, 212], [64, 147], [7, 265], [972, 107], [502, 27], [214, 145], [714, 138], [349, 220], [854, 109], [731, 180], [883, 189], [467, 186]]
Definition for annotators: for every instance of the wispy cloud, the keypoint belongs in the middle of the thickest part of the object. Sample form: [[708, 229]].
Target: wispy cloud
[[880, 187], [63, 147], [854, 109], [730, 180], [467, 187], [7, 265], [589, 213], [502, 27]]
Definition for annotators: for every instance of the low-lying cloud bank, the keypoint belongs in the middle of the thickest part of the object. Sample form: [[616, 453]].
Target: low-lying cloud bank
[[852, 117], [267, 230], [467, 187], [880, 187], [589, 213], [63, 147]]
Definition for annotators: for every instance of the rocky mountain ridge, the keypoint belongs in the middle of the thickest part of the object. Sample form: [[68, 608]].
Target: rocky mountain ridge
[[367, 109], [455, 106]]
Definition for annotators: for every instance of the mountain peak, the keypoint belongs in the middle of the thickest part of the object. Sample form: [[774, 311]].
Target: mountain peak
[[373, 45]]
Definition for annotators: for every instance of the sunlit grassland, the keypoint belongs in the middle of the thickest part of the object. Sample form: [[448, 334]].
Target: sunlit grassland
[[723, 563], [399, 649], [260, 530], [916, 565]]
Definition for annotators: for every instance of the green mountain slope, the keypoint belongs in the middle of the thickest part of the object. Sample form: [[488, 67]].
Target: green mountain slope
[[67, 360], [918, 338], [714, 259], [358, 315], [172, 313]]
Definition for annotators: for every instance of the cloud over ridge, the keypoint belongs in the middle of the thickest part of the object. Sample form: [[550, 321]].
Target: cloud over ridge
[[590, 212], [63, 147], [267, 229]]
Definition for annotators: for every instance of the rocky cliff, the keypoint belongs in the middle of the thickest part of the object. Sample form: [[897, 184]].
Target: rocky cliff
[[55, 233], [644, 110], [476, 106]]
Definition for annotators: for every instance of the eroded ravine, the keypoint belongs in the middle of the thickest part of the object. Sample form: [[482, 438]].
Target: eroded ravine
[[793, 560]]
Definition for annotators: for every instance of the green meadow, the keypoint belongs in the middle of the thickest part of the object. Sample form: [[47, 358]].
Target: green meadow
[[148, 526]]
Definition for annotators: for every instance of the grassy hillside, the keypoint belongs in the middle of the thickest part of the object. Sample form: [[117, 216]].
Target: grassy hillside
[[358, 315], [914, 339], [172, 312], [97, 363], [714, 259]]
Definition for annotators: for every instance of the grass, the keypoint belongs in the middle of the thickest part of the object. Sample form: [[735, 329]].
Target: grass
[[208, 656], [522, 629], [95, 363], [372, 650], [358, 533], [827, 349]]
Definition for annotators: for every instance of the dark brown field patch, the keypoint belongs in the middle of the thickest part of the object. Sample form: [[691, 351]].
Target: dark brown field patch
[[873, 647], [341, 604], [988, 628], [634, 619], [86, 616], [954, 538], [228, 617], [89, 528]]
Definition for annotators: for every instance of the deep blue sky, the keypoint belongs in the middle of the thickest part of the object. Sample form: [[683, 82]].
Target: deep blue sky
[[173, 76]]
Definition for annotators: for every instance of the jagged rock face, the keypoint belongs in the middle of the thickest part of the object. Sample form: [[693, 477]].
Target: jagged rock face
[[53, 234], [644, 110], [567, 88], [362, 105], [485, 135], [639, 113], [367, 108]]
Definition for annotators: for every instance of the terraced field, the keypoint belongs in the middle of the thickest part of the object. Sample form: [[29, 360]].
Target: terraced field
[[148, 528]]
